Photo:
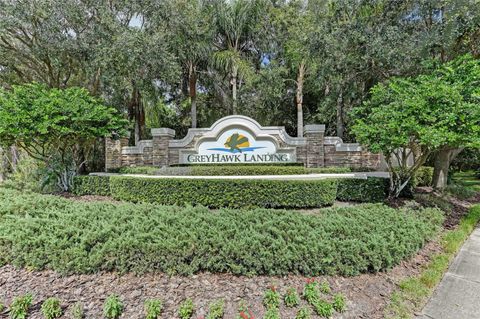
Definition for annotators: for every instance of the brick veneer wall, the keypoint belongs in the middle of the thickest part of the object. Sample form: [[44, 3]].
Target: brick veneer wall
[[315, 150]]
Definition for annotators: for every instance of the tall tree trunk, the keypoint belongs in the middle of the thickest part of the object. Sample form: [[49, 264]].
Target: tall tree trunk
[[3, 165], [299, 98], [137, 113], [234, 89], [192, 80], [340, 125], [442, 161]]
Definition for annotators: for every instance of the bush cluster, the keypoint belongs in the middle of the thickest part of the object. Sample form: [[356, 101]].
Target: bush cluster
[[212, 193], [369, 190], [234, 193], [423, 176], [92, 185], [47, 232]]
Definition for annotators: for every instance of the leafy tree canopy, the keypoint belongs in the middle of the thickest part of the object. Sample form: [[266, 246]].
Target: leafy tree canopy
[[414, 117], [55, 126]]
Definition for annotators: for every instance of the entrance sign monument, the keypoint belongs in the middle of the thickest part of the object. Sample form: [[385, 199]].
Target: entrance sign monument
[[238, 139]]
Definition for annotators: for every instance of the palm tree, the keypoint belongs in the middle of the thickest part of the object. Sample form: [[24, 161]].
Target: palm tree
[[191, 20], [236, 22]]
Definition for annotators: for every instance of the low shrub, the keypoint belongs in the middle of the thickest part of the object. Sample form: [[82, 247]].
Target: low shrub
[[240, 164], [231, 170], [20, 306], [225, 193], [77, 312], [216, 309], [370, 190], [263, 170], [51, 308], [272, 313], [186, 309], [147, 170], [153, 308], [91, 185], [113, 307], [291, 298], [310, 292], [323, 308], [339, 303], [304, 313], [423, 176], [243, 311], [271, 298], [325, 287], [460, 191], [49, 232]]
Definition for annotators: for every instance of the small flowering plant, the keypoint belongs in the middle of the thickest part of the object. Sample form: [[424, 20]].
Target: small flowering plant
[[271, 298], [291, 298], [311, 292], [244, 312]]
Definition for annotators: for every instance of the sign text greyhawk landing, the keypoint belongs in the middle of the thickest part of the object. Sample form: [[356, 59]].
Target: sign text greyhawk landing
[[238, 158]]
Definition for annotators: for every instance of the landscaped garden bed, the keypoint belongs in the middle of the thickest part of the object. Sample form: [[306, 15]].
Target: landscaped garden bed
[[47, 232], [85, 251], [64, 236]]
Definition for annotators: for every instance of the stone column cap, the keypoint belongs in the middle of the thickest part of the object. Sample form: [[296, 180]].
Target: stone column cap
[[115, 136], [163, 131], [315, 128]]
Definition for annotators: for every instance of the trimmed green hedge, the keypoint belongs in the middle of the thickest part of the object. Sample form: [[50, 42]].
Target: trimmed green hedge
[[225, 193], [91, 185], [231, 170], [234, 193], [49, 232], [239, 164], [369, 190]]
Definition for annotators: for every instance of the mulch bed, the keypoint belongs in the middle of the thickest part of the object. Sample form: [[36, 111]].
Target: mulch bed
[[367, 295]]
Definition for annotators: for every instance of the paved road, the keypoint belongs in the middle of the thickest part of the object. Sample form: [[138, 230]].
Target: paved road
[[359, 175], [458, 294]]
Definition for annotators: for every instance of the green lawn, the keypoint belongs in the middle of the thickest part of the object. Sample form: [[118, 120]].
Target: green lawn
[[48, 232], [465, 185]]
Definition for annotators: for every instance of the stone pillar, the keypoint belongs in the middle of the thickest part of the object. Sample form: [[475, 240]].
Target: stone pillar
[[314, 133], [161, 138], [113, 152]]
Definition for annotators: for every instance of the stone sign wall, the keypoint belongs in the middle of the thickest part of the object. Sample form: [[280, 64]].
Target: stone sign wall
[[238, 139]]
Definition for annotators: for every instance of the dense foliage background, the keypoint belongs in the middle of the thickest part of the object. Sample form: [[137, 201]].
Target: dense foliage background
[[268, 59]]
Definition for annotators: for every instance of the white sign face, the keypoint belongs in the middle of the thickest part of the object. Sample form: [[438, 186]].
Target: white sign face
[[237, 146]]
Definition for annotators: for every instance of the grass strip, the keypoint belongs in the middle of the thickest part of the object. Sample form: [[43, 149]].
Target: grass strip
[[414, 291]]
